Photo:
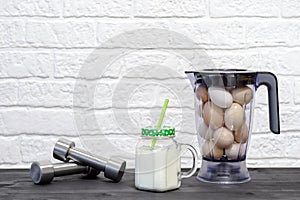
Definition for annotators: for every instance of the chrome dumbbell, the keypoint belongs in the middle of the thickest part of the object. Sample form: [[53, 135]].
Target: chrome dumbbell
[[113, 168], [42, 173]]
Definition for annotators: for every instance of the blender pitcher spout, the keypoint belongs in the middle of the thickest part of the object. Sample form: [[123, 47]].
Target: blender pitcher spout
[[192, 77]]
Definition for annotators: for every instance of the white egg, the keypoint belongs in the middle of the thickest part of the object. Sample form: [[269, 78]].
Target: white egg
[[220, 97], [235, 150]]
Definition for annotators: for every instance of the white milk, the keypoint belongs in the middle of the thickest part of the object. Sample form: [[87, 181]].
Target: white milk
[[158, 169]]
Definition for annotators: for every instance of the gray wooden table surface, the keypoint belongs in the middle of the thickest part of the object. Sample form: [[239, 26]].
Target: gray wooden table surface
[[265, 184]]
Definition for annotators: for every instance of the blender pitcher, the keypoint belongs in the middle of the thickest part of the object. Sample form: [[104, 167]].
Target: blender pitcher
[[224, 106]]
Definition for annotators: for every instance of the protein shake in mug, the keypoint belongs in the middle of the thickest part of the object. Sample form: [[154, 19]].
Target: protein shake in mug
[[157, 161]]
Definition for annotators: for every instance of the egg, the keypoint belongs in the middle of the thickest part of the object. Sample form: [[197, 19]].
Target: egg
[[202, 94], [220, 97], [235, 150], [223, 138], [213, 115], [234, 117], [242, 95], [205, 132], [211, 151], [241, 135]]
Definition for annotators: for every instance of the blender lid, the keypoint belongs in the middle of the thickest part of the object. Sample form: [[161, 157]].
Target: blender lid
[[224, 77]]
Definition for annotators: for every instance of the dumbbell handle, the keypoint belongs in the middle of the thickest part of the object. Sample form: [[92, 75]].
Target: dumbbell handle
[[86, 158], [68, 169]]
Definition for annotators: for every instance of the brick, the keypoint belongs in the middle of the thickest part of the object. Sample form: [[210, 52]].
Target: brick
[[25, 64], [154, 64], [252, 8], [157, 8], [30, 8], [290, 8], [133, 34], [64, 94], [60, 34], [12, 33], [37, 148], [10, 150], [8, 93], [69, 64], [293, 142], [272, 33], [237, 59], [227, 60], [288, 61], [267, 146], [285, 93], [268, 60], [115, 8], [289, 116], [46, 94], [103, 94], [296, 91], [210, 34], [37, 121]]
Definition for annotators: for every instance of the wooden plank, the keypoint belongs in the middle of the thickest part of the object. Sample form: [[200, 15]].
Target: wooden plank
[[265, 184]]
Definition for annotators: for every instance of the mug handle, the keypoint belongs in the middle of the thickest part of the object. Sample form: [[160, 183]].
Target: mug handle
[[192, 171]]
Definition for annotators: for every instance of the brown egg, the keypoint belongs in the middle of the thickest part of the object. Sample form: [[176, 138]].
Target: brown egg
[[217, 152], [211, 151], [213, 115], [223, 138], [202, 94], [204, 131], [241, 136], [234, 117], [235, 150], [242, 95]]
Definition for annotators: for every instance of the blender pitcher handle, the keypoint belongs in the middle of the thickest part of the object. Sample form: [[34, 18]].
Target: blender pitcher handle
[[192, 171], [269, 79]]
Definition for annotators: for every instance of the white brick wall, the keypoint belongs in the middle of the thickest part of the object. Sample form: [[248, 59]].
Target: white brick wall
[[44, 45]]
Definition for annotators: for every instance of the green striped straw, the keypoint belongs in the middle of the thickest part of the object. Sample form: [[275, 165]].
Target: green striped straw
[[160, 121]]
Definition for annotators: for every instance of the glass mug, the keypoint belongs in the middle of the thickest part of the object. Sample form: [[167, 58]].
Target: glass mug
[[158, 162]]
